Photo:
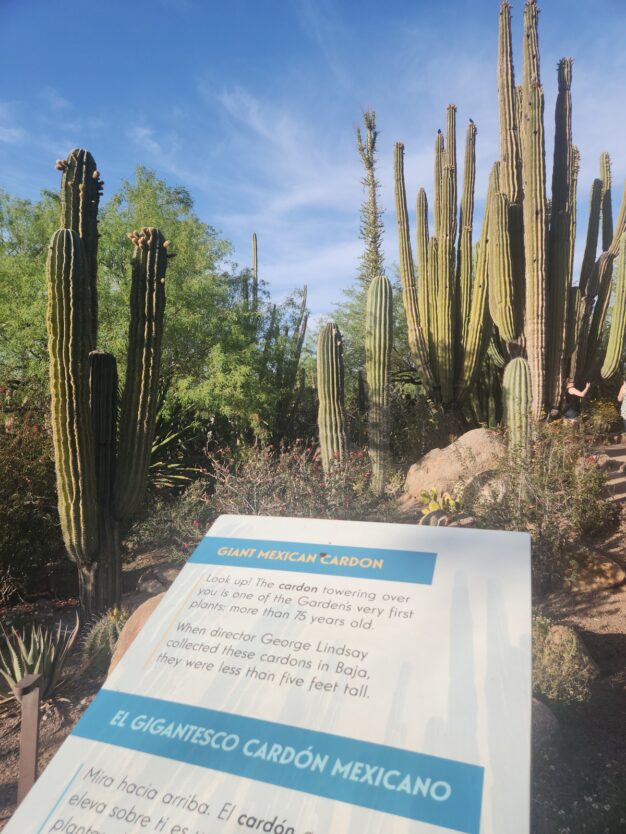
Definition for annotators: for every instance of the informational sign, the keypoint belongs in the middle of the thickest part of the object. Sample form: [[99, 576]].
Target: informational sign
[[309, 677]]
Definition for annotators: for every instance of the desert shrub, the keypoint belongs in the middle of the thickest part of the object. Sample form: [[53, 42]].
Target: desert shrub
[[101, 638], [292, 482], [557, 494], [34, 650], [172, 523], [560, 671], [30, 536], [260, 480], [415, 428], [602, 418]]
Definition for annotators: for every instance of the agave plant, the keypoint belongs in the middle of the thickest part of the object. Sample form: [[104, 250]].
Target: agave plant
[[38, 650]]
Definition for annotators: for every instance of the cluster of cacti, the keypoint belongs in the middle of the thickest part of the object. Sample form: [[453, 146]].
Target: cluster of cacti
[[538, 312], [98, 486], [516, 296], [446, 309], [331, 419], [378, 343]]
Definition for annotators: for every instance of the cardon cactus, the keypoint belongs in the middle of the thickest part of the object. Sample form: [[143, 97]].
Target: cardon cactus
[[517, 395], [446, 303], [378, 344], [561, 326], [330, 388], [97, 488]]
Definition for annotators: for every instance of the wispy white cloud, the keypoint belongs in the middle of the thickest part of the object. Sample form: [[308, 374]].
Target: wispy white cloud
[[54, 100]]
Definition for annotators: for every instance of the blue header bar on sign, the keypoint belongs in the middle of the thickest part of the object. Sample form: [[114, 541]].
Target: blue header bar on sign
[[329, 559], [390, 780]]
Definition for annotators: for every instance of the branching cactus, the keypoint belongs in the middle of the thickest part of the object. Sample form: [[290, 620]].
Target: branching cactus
[[617, 331], [99, 489], [331, 418], [516, 387], [378, 344]]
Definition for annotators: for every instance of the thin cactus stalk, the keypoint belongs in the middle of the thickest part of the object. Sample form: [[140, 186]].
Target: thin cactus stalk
[[424, 285], [330, 386], [81, 188], [417, 343], [139, 399], [464, 249], [517, 397], [378, 344], [535, 210], [69, 341], [255, 275], [617, 331]]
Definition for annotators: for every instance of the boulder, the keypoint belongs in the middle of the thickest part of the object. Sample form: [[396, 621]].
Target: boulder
[[135, 623], [596, 573], [473, 455], [158, 578], [545, 728]]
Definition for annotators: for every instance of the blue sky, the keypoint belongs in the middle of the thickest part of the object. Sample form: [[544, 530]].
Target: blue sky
[[252, 106]]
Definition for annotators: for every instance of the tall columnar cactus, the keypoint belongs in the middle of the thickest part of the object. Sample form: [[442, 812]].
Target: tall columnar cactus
[[97, 488], [330, 387], [378, 344], [517, 395]]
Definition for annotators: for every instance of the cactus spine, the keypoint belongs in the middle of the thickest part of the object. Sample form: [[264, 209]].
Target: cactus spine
[[330, 386], [378, 344], [517, 390], [96, 488]]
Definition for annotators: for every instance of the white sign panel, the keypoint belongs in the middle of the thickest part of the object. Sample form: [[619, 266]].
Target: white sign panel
[[307, 677]]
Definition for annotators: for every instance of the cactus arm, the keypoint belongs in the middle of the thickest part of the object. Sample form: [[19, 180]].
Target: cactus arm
[[103, 385], [69, 338], [502, 301], [424, 287], [81, 188], [446, 262], [330, 387], [465, 249], [606, 201], [433, 312], [517, 393], [417, 342], [378, 344], [439, 165], [535, 210], [617, 331], [560, 239], [139, 399], [510, 160]]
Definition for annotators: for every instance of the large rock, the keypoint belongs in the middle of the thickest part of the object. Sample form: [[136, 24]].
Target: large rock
[[545, 728], [474, 454], [595, 573], [135, 623]]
